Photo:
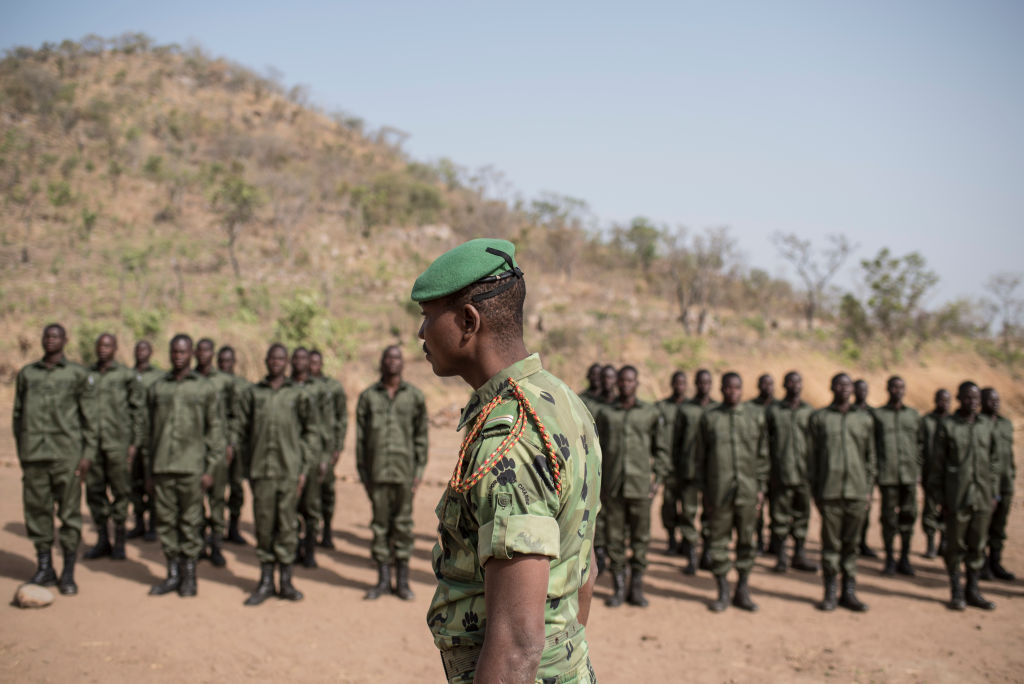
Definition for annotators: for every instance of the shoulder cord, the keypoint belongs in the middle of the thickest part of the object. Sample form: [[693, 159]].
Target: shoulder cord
[[461, 485]]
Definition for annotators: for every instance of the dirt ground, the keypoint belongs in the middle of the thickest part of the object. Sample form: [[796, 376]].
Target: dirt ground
[[113, 632]]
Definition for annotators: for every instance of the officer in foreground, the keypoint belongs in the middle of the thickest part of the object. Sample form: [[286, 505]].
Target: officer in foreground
[[53, 433], [514, 560]]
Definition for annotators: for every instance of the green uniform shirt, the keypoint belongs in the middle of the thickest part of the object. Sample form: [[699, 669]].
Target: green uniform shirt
[[732, 454], [684, 449], [319, 399], [225, 387], [633, 446], [842, 464], [335, 418], [278, 432], [966, 472], [789, 442], [1004, 454], [391, 435], [119, 399], [147, 377], [239, 386], [185, 433], [930, 427], [515, 509], [593, 402], [669, 408], [51, 419], [900, 438]]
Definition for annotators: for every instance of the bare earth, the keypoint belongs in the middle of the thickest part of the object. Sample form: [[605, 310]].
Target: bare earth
[[113, 632]]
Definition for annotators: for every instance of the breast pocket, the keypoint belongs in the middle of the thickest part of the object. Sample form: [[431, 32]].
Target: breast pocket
[[458, 552]]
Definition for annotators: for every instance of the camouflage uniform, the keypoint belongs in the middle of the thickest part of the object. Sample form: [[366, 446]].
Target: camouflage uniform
[[513, 510]]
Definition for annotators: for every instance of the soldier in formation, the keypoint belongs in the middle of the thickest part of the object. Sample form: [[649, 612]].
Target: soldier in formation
[[142, 503], [236, 468], [1003, 435], [334, 426], [671, 513], [391, 455]]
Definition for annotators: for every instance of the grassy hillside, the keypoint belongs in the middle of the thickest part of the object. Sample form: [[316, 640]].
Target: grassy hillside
[[148, 190]]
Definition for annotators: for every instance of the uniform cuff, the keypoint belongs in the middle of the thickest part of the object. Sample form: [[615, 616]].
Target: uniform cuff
[[508, 535]]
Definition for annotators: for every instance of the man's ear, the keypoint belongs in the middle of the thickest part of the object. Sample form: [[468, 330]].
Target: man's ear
[[470, 321]]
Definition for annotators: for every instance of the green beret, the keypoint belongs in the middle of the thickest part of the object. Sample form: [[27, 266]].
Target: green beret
[[480, 260]]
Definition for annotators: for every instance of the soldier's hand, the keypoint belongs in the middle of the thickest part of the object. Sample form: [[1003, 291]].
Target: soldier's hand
[[760, 500], [655, 488], [321, 472], [302, 482], [149, 486], [132, 451], [335, 457], [83, 467], [416, 484], [229, 454], [206, 482]]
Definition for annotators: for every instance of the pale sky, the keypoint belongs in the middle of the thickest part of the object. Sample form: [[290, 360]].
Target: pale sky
[[897, 123]]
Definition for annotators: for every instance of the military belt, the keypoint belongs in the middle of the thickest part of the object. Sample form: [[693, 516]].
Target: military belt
[[460, 660]]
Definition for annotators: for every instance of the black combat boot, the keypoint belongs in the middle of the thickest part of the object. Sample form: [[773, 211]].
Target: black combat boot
[[102, 547], [761, 549], [986, 569], [741, 597], [45, 575], [849, 599], [67, 584], [942, 544], [691, 558], [973, 593], [234, 536], [781, 562], [265, 588], [619, 590], [173, 580], [140, 527], [673, 543], [722, 602], [601, 556], [150, 534], [309, 551], [288, 592], [216, 555], [383, 585], [705, 556], [865, 550], [117, 551], [800, 560], [773, 544], [956, 590], [904, 567], [402, 589], [995, 561], [828, 603], [636, 589], [188, 586], [930, 550], [327, 537], [889, 569]]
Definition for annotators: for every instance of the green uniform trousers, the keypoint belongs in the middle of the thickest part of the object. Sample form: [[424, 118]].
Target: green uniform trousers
[[327, 495], [967, 537], [309, 502], [723, 519], [899, 510], [178, 502], [671, 506], [277, 528], [141, 500], [791, 511], [931, 518], [110, 469], [841, 523], [997, 528], [215, 502], [627, 518], [689, 497], [236, 484], [392, 521], [47, 485]]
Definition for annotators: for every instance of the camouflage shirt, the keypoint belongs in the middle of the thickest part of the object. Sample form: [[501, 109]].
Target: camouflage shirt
[[515, 509]]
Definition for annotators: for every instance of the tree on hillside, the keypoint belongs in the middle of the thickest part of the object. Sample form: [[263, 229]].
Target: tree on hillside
[[641, 237], [898, 287], [815, 270], [563, 234], [235, 202], [1010, 304], [696, 270]]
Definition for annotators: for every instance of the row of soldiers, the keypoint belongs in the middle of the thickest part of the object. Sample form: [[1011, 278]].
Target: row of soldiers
[[728, 458], [179, 444]]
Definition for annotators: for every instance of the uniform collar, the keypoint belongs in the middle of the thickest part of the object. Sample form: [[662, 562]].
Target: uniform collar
[[113, 366], [637, 403], [498, 384], [265, 382], [62, 361], [191, 375], [381, 387]]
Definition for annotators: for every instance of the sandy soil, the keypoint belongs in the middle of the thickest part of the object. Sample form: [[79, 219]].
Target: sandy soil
[[112, 631]]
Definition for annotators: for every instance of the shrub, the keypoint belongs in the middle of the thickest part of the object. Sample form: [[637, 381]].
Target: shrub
[[145, 324], [59, 193]]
